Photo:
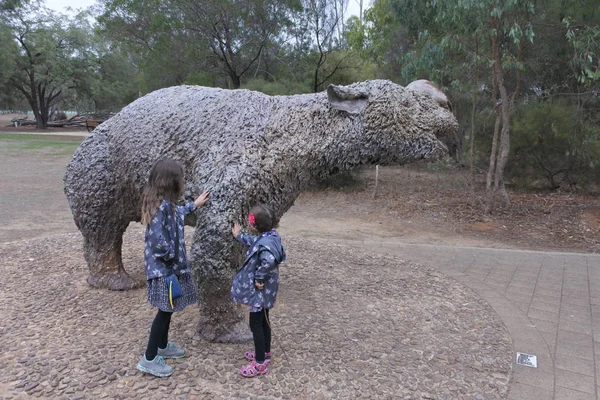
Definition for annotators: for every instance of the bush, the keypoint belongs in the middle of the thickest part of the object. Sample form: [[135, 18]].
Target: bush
[[555, 147], [276, 88], [344, 181], [199, 78]]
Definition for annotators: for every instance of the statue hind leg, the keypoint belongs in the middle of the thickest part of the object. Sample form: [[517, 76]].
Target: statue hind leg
[[102, 208], [103, 256]]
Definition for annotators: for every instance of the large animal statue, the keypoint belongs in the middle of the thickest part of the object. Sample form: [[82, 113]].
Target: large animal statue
[[246, 148]]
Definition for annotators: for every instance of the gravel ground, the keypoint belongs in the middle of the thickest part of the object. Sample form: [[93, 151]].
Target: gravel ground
[[351, 324]]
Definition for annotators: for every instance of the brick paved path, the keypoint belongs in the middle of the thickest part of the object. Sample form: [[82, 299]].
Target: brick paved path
[[550, 303]]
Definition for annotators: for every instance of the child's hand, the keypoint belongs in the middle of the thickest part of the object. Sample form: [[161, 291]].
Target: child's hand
[[235, 231], [202, 199]]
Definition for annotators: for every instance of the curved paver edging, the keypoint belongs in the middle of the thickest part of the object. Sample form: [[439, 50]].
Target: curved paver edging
[[349, 321]]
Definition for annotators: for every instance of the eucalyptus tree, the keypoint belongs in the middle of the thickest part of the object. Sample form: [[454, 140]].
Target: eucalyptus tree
[[236, 32], [492, 33], [320, 34], [152, 34], [48, 55]]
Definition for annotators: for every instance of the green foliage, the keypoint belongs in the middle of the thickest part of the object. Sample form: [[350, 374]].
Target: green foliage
[[151, 33], [115, 83], [355, 34], [10, 53], [345, 181], [277, 88], [11, 5], [585, 42], [51, 57], [199, 78], [385, 35], [348, 67], [552, 144]]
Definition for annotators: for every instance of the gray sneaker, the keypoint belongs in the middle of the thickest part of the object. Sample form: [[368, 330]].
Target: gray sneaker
[[156, 367], [171, 351]]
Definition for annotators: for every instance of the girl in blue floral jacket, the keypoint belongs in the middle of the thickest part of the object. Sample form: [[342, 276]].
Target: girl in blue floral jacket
[[257, 282], [164, 255]]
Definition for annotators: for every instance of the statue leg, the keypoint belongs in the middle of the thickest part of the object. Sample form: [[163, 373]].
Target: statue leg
[[102, 206], [103, 255], [215, 257]]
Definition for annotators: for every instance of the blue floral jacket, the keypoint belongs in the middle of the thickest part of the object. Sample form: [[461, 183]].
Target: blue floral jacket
[[265, 253], [165, 243]]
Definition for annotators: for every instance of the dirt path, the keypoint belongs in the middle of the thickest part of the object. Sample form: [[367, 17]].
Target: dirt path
[[413, 205], [32, 201]]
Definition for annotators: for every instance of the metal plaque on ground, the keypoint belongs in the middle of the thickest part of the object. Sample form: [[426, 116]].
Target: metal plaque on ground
[[527, 360]]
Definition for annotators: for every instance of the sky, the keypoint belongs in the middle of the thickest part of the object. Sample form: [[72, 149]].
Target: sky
[[60, 5]]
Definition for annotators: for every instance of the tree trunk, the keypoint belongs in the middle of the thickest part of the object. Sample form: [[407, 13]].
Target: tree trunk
[[34, 102], [473, 110], [501, 158], [472, 150], [507, 109], [491, 171], [504, 150], [360, 11], [234, 80], [38, 119], [44, 109]]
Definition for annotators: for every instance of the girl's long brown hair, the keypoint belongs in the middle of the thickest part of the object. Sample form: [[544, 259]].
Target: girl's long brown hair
[[165, 182]]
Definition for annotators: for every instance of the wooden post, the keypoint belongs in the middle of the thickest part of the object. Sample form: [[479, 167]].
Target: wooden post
[[376, 180]]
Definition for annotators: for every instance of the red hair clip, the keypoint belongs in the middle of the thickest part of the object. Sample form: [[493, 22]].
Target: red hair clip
[[251, 219]]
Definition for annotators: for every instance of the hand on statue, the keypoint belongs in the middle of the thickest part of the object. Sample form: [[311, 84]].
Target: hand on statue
[[235, 231], [202, 199]]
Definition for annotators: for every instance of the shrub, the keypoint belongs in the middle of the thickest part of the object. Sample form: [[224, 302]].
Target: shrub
[[554, 146]]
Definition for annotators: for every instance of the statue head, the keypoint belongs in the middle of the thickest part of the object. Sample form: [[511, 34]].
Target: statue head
[[398, 125]]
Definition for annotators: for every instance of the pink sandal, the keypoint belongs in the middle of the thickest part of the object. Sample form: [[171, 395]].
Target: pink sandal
[[251, 355], [254, 369]]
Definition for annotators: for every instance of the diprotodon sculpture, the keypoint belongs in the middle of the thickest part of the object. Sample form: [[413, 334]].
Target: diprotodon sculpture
[[246, 148]]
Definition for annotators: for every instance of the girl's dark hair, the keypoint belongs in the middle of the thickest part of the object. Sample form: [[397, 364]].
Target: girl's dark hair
[[264, 218], [165, 182]]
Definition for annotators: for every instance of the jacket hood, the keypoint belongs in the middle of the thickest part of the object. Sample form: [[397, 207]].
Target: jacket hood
[[272, 242]]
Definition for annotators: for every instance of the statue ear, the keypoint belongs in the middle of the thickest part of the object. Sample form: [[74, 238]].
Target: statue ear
[[353, 101]]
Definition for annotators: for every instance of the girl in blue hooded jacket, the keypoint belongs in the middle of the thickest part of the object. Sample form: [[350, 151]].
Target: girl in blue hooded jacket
[[164, 256], [257, 282]]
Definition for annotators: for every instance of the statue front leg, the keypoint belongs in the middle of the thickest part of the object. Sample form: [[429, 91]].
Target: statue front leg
[[216, 256]]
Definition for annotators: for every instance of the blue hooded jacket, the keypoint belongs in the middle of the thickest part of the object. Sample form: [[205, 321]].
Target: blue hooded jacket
[[265, 253], [165, 245]]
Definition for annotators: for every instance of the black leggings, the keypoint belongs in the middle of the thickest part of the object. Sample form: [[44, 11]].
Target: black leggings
[[261, 331], [159, 334]]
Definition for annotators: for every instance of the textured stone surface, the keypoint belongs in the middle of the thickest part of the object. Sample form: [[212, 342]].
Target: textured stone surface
[[350, 322], [246, 148]]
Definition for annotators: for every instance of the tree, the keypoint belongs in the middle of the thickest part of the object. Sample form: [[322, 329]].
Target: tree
[[50, 57], [320, 34], [442, 33], [11, 5], [236, 32], [510, 29], [150, 33]]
